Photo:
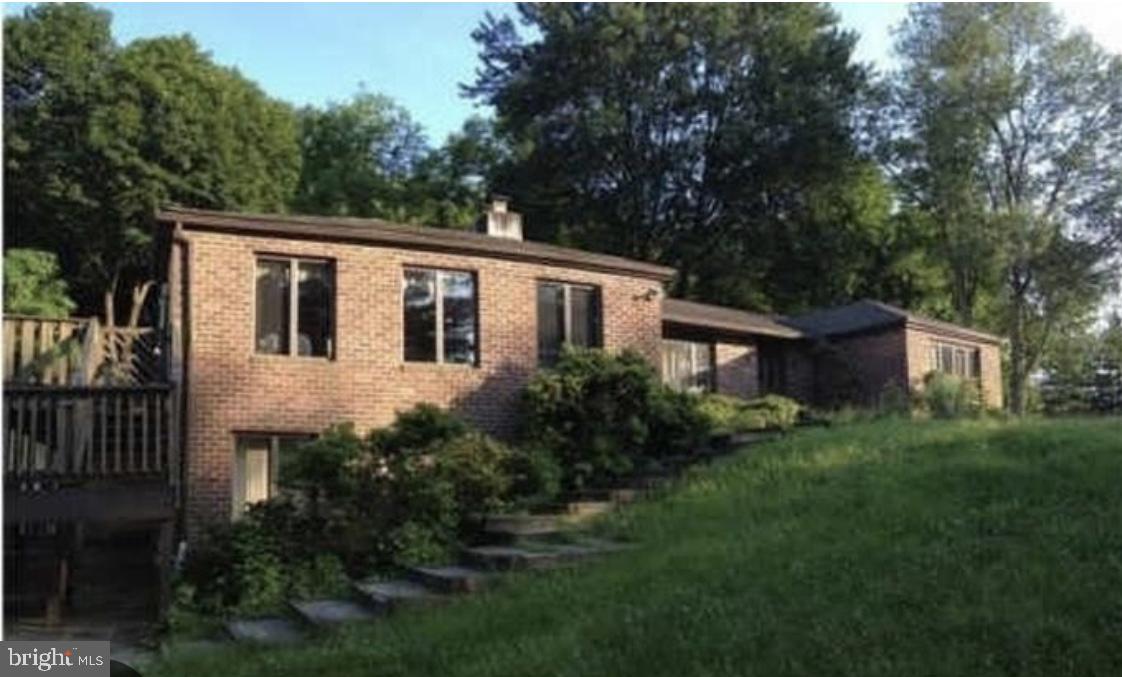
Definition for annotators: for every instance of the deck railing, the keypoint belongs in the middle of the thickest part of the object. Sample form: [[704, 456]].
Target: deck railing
[[80, 352], [74, 434]]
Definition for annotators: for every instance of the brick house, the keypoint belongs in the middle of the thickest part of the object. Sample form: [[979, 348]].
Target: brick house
[[282, 325]]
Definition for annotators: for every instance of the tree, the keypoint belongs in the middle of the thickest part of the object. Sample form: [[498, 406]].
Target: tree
[[32, 285], [715, 138], [98, 136], [358, 158], [1016, 129], [452, 181]]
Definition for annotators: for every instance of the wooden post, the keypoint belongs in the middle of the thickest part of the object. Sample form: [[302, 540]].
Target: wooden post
[[164, 545]]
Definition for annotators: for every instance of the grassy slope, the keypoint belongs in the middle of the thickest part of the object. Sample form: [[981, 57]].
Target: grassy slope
[[880, 549]]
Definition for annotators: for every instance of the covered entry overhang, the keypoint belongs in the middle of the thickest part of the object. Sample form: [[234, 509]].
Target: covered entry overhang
[[729, 351]]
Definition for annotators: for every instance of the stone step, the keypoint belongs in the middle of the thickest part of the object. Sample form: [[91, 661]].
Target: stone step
[[583, 509], [392, 595], [271, 630], [328, 612], [517, 526], [452, 579], [619, 495], [509, 557], [534, 556], [741, 439]]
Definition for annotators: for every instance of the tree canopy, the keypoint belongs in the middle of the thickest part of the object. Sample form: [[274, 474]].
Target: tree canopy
[[1008, 132], [715, 138], [33, 285], [98, 136]]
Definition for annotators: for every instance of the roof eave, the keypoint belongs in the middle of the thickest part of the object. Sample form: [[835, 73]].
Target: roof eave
[[400, 236]]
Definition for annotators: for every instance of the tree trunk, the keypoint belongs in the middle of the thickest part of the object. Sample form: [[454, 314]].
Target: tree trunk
[[1018, 364], [139, 296]]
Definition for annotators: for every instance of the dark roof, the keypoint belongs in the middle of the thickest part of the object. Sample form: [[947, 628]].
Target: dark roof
[[385, 233], [720, 318], [869, 315]]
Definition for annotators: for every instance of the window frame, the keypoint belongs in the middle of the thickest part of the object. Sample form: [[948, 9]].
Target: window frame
[[294, 262], [567, 314], [968, 357], [241, 441], [697, 383], [439, 315]]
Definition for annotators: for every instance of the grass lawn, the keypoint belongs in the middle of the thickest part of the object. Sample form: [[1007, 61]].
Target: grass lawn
[[890, 548]]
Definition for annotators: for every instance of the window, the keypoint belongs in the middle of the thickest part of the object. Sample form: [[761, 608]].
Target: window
[[955, 360], [688, 365], [295, 319], [440, 316], [567, 313], [773, 369], [257, 463]]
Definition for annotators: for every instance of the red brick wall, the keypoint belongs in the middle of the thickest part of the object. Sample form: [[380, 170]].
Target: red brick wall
[[737, 369], [234, 390], [919, 343], [863, 366]]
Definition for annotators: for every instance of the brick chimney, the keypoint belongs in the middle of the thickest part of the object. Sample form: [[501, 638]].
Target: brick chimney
[[499, 221]]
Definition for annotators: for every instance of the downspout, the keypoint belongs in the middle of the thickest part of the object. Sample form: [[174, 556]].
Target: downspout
[[180, 366]]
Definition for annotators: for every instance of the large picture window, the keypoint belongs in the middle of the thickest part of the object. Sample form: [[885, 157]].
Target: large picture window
[[295, 319], [688, 365], [567, 313], [955, 360], [440, 316], [257, 465]]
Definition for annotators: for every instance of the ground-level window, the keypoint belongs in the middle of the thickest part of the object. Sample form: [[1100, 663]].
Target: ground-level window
[[440, 316], [257, 465], [688, 365], [954, 359], [567, 313], [295, 319]]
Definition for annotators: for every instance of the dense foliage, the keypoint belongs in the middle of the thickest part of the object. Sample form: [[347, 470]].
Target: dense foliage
[[407, 494], [97, 136], [33, 286], [714, 138], [605, 416], [946, 396], [1006, 128], [730, 415]]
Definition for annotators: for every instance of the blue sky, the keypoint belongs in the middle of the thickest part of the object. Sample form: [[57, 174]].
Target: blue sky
[[416, 53]]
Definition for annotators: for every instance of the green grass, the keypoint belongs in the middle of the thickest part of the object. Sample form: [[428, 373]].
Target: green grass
[[888, 548]]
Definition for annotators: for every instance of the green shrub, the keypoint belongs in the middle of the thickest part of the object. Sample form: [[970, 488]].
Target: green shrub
[[414, 544], [535, 475], [417, 429], [600, 414], [731, 415], [256, 564], [894, 401], [946, 396], [477, 468]]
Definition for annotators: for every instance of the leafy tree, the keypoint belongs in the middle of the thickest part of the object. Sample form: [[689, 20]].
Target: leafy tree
[[359, 157], [451, 182], [1016, 133], [368, 158], [715, 138], [98, 136], [32, 285]]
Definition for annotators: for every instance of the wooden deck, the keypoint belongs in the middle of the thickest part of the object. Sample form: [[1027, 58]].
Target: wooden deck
[[91, 440]]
